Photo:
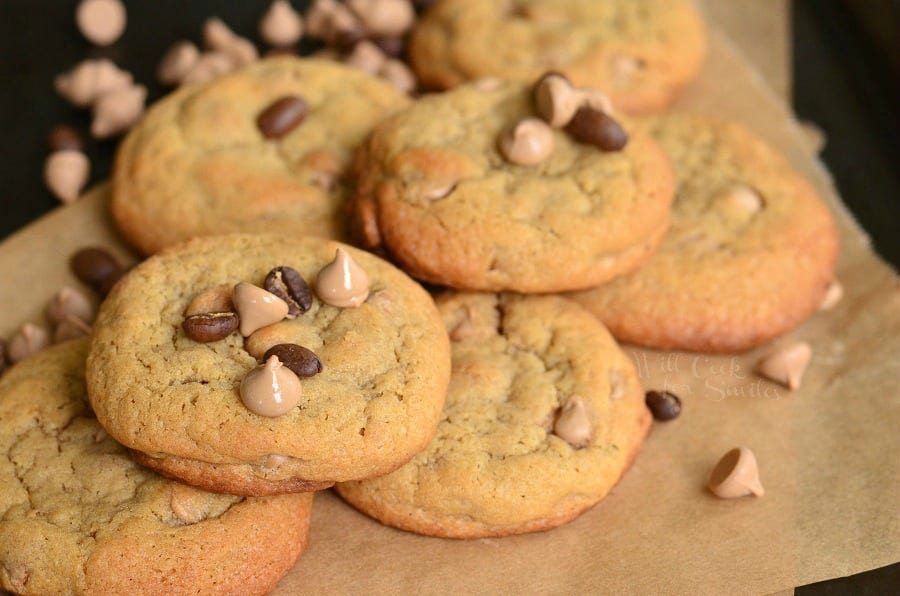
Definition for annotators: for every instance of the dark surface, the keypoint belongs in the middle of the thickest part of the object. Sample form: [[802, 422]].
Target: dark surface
[[843, 82]]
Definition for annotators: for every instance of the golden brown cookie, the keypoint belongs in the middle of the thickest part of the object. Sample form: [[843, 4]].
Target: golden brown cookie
[[543, 416], [199, 162], [78, 516], [179, 402], [640, 52], [437, 192], [749, 254]]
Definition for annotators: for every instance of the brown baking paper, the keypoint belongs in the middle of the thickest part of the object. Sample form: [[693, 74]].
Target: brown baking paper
[[828, 452]]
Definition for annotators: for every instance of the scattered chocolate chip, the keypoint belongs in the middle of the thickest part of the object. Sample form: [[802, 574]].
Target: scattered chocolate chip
[[286, 283], [65, 138], [97, 268], [597, 128], [303, 362], [282, 116], [664, 405], [210, 326]]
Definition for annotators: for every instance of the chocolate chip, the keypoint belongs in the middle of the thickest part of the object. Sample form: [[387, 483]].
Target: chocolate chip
[[210, 326], [663, 404], [282, 116], [303, 362], [597, 128], [290, 286], [392, 46], [65, 138], [97, 268]]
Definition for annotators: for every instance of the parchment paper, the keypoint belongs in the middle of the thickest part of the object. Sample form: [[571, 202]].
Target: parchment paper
[[828, 452]]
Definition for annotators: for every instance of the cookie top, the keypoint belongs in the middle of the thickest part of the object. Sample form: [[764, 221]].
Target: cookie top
[[640, 52], [375, 403], [437, 194], [199, 164], [748, 256], [78, 516], [543, 416]]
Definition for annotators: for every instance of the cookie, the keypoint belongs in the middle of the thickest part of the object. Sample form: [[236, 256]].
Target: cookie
[[543, 416], [435, 192], [201, 163], [180, 405], [80, 517], [749, 254], [640, 52]]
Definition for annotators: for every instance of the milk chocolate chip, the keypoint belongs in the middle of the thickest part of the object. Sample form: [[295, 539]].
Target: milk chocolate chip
[[116, 111], [528, 143], [384, 18], [97, 268], [65, 174], [271, 389], [736, 475], [90, 80], [281, 26], [70, 302], [595, 127], [664, 405], [786, 365], [177, 62], [102, 22], [289, 285], [257, 308], [833, 295], [29, 340], [573, 425], [70, 328], [210, 326], [282, 116], [302, 361], [556, 99], [342, 282]]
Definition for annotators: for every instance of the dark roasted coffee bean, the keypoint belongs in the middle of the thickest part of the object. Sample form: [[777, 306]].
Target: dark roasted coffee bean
[[97, 268], [282, 116], [303, 362], [664, 405], [290, 286], [210, 326], [65, 138], [597, 128]]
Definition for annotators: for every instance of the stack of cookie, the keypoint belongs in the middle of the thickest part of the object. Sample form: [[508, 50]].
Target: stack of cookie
[[256, 356]]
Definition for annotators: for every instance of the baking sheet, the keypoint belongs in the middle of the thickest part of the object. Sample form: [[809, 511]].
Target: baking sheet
[[828, 452]]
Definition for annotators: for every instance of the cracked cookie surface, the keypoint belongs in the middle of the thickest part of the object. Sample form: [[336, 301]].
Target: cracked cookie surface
[[176, 401], [197, 163], [78, 516], [496, 466], [749, 254], [436, 193], [640, 52]]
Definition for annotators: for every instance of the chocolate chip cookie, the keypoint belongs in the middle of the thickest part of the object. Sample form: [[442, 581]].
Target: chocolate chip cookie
[[265, 148], [543, 416], [750, 252], [78, 516], [640, 52], [187, 404], [444, 190]]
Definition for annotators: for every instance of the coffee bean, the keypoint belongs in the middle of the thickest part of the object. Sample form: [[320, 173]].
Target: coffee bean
[[97, 268], [282, 116], [303, 362], [290, 286], [65, 138], [597, 128], [210, 326], [663, 404]]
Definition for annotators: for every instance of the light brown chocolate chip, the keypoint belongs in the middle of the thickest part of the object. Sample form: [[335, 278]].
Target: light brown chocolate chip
[[736, 475], [743, 199], [384, 18], [215, 299], [210, 326], [395, 47], [625, 68], [116, 111], [342, 282], [573, 424], [528, 143], [70, 302], [29, 340], [90, 80], [596, 99], [286, 283], [187, 504], [102, 22], [177, 63], [66, 173], [220, 38], [71, 327], [208, 66], [281, 25], [257, 308], [367, 57], [282, 116], [786, 365], [833, 295], [302, 361], [556, 99], [334, 23], [595, 127], [398, 74], [271, 389], [65, 138], [617, 384]]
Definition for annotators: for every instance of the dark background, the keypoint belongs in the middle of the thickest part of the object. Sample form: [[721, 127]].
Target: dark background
[[846, 67]]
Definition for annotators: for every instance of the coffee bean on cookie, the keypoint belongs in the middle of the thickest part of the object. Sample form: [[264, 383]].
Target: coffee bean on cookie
[[96, 267], [210, 326], [282, 116], [302, 361], [289, 285], [595, 127], [664, 405]]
